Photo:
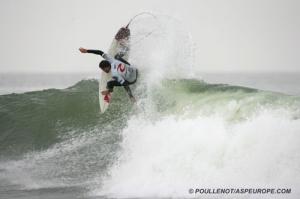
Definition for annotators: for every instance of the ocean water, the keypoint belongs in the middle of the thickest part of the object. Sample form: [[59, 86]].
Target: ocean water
[[25, 82], [182, 133], [214, 131], [283, 82]]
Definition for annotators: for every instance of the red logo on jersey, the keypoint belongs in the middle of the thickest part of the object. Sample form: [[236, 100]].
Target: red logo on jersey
[[121, 67]]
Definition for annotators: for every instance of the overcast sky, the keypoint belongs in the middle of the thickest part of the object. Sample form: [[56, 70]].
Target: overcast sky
[[232, 35]]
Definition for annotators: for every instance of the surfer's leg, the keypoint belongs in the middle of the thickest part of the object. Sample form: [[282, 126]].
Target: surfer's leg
[[128, 90], [111, 84]]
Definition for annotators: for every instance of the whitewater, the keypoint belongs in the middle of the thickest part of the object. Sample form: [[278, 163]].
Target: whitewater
[[183, 132]]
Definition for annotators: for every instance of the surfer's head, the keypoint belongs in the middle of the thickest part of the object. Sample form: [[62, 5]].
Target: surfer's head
[[105, 66]]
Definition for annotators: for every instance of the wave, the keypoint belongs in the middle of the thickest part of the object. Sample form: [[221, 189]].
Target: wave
[[180, 129], [37, 120]]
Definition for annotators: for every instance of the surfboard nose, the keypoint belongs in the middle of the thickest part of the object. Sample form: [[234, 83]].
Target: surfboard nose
[[123, 33]]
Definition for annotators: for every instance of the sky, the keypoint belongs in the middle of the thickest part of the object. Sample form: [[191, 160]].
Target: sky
[[229, 35]]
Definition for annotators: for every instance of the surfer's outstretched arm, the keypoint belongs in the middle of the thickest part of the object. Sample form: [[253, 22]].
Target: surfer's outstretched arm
[[97, 52]]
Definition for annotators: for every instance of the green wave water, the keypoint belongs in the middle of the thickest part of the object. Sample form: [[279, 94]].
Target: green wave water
[[37, 120]]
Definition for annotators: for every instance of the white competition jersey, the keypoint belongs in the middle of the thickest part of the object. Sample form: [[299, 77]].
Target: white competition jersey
[[121, 71]]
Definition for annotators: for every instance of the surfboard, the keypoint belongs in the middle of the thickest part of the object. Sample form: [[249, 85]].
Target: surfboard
[[120, 44]]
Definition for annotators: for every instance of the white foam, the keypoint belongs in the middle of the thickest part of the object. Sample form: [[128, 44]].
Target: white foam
[[56, 166], [167, 157], [166, 53]]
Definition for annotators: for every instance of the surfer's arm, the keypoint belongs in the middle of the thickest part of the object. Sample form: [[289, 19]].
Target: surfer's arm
[[96, 52], [120, 58], [99, 52], [116, 81]]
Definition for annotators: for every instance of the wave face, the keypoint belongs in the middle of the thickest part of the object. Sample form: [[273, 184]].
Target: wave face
[[181, 134], [57, 137], [37, 120]]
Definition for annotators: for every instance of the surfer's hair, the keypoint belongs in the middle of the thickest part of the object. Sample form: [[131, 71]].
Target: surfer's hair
[[104, 64]]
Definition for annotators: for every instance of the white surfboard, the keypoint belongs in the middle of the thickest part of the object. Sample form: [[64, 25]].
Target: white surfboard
[[117, 46]]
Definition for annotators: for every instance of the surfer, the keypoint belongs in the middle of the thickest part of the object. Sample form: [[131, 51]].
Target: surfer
[[123, 74]]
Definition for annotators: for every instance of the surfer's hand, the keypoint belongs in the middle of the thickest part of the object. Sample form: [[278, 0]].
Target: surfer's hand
[[82, 50], [105, 92]]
